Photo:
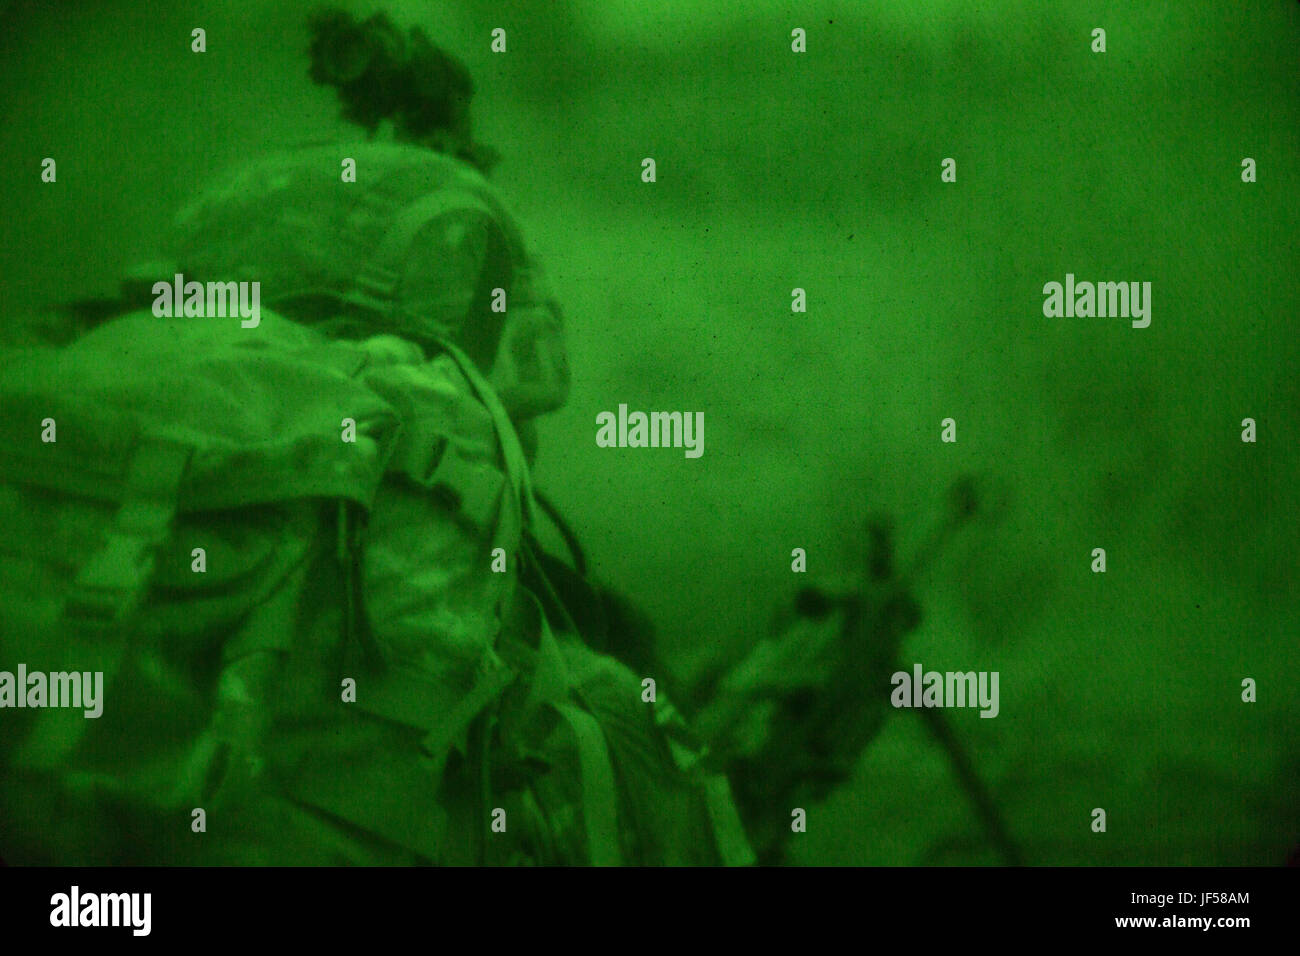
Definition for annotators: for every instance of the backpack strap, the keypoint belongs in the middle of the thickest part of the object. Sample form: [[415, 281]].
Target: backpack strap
[[111, 583], [599, 795], [516, 463], [552, 686], [514, 511]]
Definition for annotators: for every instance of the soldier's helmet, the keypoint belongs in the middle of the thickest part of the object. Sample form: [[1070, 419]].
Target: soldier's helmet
[[419, 245]]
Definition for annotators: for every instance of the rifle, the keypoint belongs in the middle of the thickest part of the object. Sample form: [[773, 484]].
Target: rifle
[[790, 721]]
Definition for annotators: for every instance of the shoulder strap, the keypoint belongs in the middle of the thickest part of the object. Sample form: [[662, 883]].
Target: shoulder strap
[[515, 513], [515, 461], [552, 686], [110, 584]]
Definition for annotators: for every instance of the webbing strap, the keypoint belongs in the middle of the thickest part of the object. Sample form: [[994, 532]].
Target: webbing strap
[[551, 687], [477, 487], [451, 731], [728, 832], [599, 807], [508, 526], [512, 451], [110, 584]]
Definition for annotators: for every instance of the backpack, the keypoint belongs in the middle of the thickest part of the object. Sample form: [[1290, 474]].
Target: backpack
[[181, 512]]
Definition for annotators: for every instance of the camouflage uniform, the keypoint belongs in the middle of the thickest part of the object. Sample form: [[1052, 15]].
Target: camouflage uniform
[[404, 259]]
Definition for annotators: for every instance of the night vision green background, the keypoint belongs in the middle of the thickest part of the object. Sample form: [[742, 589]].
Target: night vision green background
[[822, 171]]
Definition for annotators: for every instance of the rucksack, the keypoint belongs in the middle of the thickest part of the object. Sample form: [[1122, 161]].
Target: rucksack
[[181, 512], [139, 439]]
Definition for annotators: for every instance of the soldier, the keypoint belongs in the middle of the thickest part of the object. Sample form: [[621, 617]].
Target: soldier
[[409, 685], [451, 753]]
